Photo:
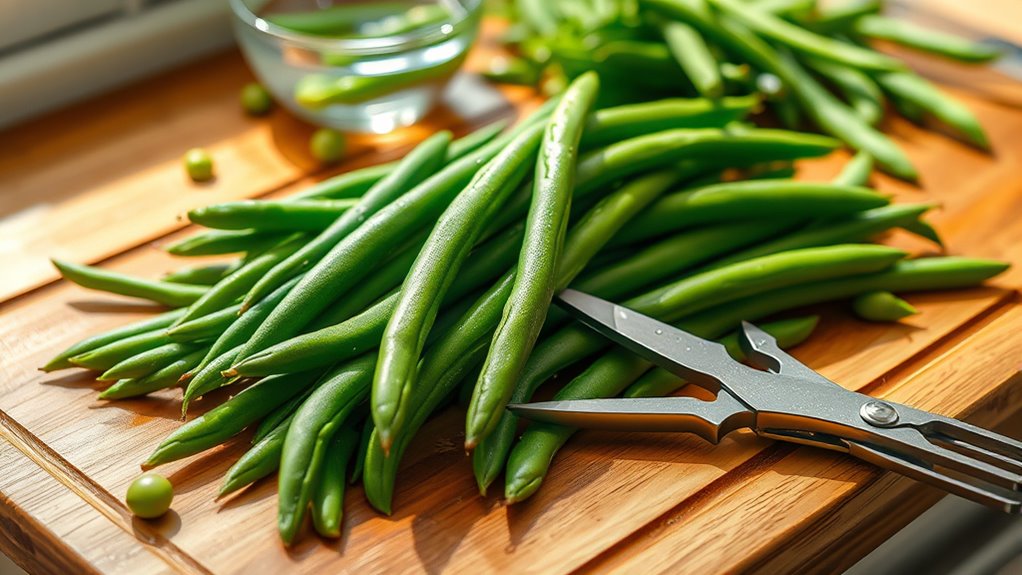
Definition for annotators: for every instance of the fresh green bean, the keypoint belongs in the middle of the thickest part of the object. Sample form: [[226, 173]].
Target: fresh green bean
[[862, 92], [632, 120], [165, 377], [882, 306], [218, 242], [848, 229], [675, 254], [751, 199], [208, 326], [659, 382], [310, 432], [229, 289], [856, 172], [830, 19], [360, 454], [806, 41], [209, 374], [272, 215], [419, 164], [167, 293], [825, 110], [147, 362], [61, 360], [915, 36], [260, 460], [230, 417], [530, 459], [536, 275], [200, 275], [328, 496], [317, 91], [692, 53], [512, 70], [454, 234], [106, 356], [910, 87], [274, 419]]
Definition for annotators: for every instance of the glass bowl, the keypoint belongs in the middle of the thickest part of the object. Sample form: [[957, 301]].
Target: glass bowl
[[359, 65]]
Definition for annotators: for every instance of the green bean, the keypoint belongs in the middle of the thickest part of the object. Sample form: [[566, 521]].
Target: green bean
[[209, 374], [260, 460], [861, 92], [282, 413], [229, 289], [840, 17], [752, 199], [882, 306], [147, 362], [912, 88], [512, 70], [925, 230], [419, 164], [659, 382], [313, 426], [317, 91], [530, 459], [692, 53], [60, 361], [208, 326], [849, 229], [785, 7], [464, 345], [200, 275], [106, 356], [805, 41], [825, 110], [536, 274], [632, 120], [165, 377], [856, 172], [328, 496], [360, 454], [924, 39], [538, 15], [671, 256], [454, 234], [230, 417], [272, 215], [167, 293], [218, 242]]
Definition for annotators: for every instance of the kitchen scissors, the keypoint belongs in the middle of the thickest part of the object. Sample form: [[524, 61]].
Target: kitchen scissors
[[786, 400]]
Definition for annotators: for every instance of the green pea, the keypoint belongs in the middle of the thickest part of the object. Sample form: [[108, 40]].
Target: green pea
[[149, 495], [327, 145], [255, 100], [199, 165]]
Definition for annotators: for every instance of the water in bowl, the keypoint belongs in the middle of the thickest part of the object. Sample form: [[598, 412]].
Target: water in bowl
[[365, 66]]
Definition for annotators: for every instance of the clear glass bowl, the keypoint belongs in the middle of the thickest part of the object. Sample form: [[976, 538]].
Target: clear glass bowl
[[362, 65]]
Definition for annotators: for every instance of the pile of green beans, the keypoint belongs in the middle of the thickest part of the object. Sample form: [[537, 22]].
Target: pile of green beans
[[808, 60], [351, 317]]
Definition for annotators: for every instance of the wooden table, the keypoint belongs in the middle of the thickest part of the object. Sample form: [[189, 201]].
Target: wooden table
[[102, 182]]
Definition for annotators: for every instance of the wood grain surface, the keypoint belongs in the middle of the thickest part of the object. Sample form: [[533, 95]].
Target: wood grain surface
[[105, 189]]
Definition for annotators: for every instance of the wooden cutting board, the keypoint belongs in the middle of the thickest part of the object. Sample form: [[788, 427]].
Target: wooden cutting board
[[100, 181]]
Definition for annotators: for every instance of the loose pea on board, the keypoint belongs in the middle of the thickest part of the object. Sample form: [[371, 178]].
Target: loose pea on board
[[149, 495]]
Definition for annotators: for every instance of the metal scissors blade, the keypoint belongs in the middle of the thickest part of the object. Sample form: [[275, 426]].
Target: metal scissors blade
[[700, 361], [711, 420]]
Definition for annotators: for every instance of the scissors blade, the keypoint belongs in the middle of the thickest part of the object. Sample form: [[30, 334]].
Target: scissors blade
[[698, 360], [710, 420]]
